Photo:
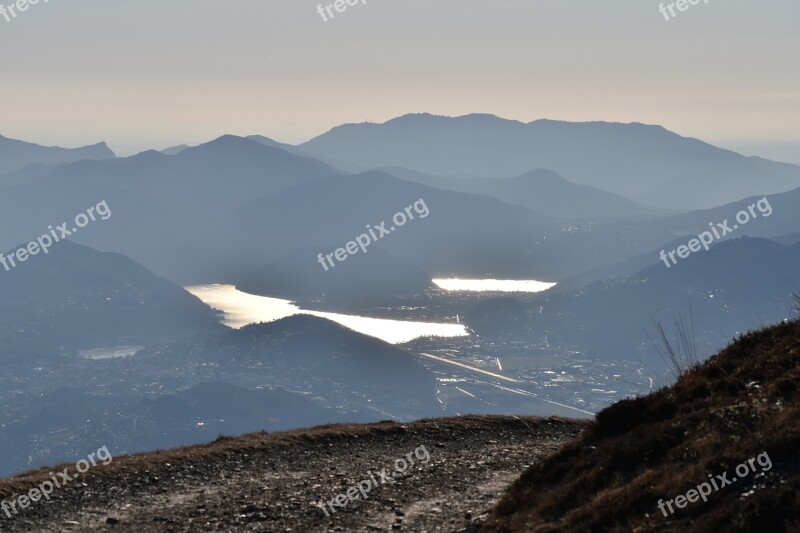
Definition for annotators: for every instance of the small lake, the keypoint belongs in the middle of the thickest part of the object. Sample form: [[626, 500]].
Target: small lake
[[493, 285], [241, 309], [110, 352]]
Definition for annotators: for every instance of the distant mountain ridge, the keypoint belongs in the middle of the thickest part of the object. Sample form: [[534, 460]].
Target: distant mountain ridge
[[158, 200], [644, 163], [15, 154], [543, 191]]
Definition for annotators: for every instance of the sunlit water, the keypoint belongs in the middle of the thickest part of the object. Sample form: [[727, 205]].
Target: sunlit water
[[493, 285], [110, 353], [241, 309]]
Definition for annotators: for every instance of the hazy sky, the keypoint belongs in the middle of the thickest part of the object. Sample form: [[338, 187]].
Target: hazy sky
[[146, 73]]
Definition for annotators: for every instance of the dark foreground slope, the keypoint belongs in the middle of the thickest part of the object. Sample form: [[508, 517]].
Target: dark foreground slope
[[269, 482], [741, 403]]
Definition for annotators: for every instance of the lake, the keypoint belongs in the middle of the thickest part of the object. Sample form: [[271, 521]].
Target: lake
[[493, 285], [241, 309], [110, 352]]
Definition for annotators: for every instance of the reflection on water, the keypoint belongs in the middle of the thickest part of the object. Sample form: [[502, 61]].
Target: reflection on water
[[242, 309], [493, 285], [109, 353]]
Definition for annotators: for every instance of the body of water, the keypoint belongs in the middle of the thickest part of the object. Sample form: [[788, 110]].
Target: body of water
[[241, 309], [493, 285], [110, 352]]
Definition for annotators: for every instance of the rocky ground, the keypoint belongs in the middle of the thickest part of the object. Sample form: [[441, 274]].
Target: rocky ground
[[270, 482]]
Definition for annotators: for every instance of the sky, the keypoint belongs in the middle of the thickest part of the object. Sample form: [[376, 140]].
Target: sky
[[145, 74]]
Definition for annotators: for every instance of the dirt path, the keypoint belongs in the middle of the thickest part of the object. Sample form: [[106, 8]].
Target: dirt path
[[270, 482]]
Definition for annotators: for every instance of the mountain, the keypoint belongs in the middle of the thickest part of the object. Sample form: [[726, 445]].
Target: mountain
[[15, 154], [739, 285], [374, 274], [76, 298], [620, 248], [158, 201], [542, 191], [450, 232], [175, 150], [648, 164], [266, 141], [727, 430], [343, 166], [294, 372], [322, 348], [344, 367]]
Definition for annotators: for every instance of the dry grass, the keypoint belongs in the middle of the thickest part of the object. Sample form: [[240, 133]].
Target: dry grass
[[740, 403]]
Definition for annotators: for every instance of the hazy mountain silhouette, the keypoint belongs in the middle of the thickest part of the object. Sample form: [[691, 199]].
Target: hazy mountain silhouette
[[641, 162], [621, 248], [266, 141], [738, 285], [15, 154], [344, 166], [363, 276], [78, 298], [543, 191], [175, 150], [157, 201], [785, 217], [465, 233]]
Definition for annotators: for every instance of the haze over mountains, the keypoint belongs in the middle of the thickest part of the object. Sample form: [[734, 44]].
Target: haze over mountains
[[643, 163], [542, 191], [190, 378], [737, 286], [76, 298], [587, 205], [375, 274], [148, 193]]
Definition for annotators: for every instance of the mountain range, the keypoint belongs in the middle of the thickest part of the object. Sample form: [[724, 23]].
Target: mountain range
[[15, 154], [644, 163]]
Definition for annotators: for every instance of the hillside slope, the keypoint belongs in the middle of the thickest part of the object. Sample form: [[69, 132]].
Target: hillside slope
[[740, 405], [77, 298]]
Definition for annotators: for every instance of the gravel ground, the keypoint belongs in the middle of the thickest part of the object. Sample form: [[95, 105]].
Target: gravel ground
[[270, 482]]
